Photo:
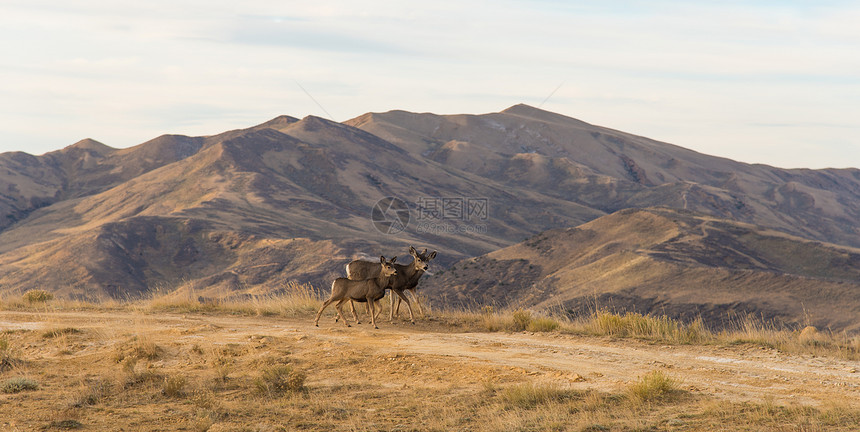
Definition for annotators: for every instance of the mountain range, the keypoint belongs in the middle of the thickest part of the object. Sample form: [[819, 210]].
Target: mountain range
[[247, 211]]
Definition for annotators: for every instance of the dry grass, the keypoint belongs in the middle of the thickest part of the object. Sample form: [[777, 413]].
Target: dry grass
[[295, 300], [8, 357], [174, 386], [299, 300], [18, 384], [808, 340], [37, 296], [141, 378], [766, 415], [136, 348], [493, 320], [277, 380], [56, 333], [654, 386], [661, 329], [531, 395]]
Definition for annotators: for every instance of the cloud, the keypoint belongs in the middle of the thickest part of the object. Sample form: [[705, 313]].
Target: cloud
[[307, 36], [707, 75]]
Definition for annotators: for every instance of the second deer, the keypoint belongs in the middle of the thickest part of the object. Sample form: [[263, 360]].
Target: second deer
[[369, 289], [406, 278]]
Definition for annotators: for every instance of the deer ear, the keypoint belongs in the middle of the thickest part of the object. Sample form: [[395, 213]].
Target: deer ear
[[412, 251], [432, 255], [393, 259], [381, 258]]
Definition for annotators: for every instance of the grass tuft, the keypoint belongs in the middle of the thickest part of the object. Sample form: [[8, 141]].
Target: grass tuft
[[8, 359], [521, 319], [174, 386], [55, 333], [531, 395], [543, 324], [137, 348], [18, 384], [92, 392], [651, 327], [37, 296], [653, 386], [278, 380]]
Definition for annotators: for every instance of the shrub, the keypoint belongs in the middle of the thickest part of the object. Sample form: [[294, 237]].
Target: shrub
[[653, 386], [494, 322], [18, 384], [280, 379], [174, 386], [137, 348], [7, 358], [542, 324], [522, 319], [37, 296]]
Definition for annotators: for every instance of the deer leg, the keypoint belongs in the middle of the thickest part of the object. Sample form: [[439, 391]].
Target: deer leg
[[378, 308], [339, 307], [417, 300], [325, 304], [391, 308], [372, 306], [397, 307], [354, 315], [403, 297], [367, 308]]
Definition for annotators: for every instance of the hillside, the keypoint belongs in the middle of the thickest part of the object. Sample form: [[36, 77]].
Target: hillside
[[609, 170], [268, 189], [246, 211], [666, 261]]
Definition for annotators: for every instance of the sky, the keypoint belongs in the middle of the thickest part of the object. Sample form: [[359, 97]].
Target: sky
[[772, 82]]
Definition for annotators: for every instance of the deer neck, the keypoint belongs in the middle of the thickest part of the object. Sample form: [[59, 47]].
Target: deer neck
[[411, 272], [382, 281]]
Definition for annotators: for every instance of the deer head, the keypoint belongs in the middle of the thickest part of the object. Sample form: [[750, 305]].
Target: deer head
[[420, 259], [387, 266]]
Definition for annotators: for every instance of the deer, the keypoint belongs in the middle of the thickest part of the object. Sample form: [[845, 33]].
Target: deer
[[406, 279], [369, 289]]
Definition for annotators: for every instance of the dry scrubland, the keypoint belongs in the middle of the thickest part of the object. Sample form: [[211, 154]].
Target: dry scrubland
[[171, 363]]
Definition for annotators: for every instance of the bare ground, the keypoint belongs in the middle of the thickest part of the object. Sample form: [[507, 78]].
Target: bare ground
[[372, 371]]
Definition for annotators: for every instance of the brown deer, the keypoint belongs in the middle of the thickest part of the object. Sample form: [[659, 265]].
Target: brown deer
[[406, 278], [369, 290]]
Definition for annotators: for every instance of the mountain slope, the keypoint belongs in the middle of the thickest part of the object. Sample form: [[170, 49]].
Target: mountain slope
[[310, 179], [246, 211], [661, 260], [610, 170]]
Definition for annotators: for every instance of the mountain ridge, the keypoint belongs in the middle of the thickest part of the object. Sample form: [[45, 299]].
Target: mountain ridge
[[207, 212]]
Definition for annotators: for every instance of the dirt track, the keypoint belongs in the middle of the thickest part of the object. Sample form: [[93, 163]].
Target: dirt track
[[437, 355]]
